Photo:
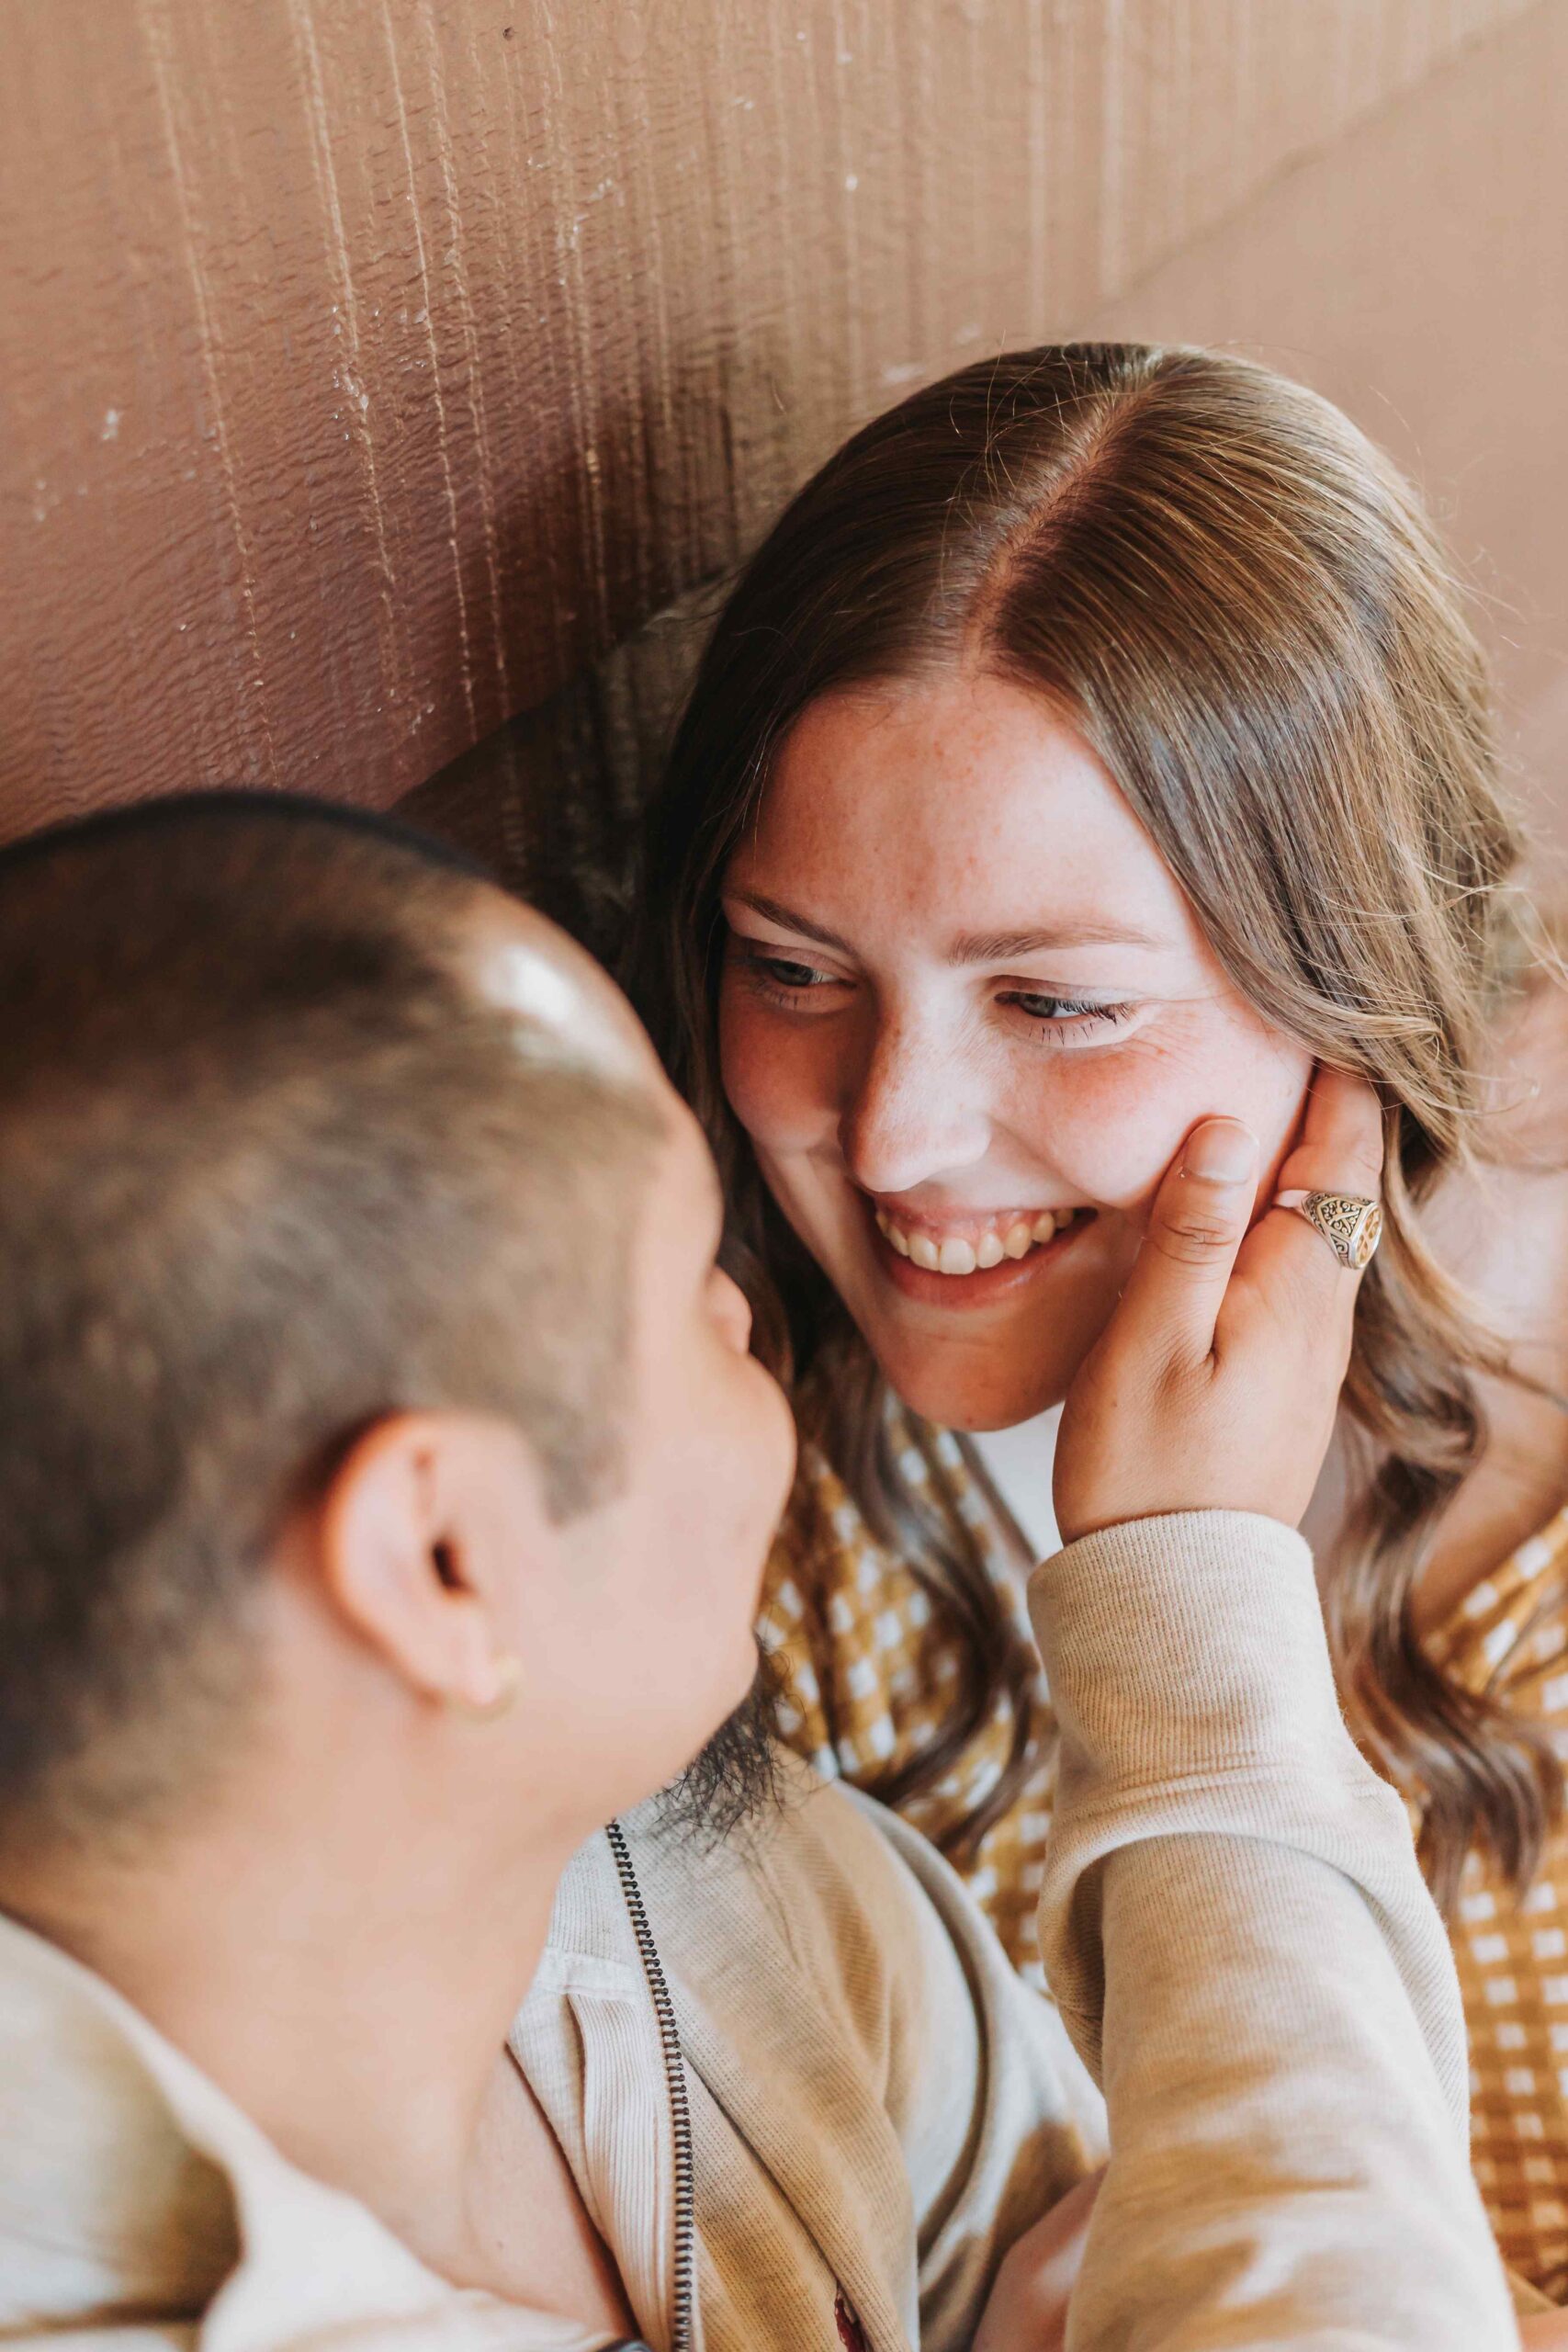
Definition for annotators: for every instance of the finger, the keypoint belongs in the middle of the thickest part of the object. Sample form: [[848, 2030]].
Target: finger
[[1340, 1145], [1286, 1260], [1195, 1228]]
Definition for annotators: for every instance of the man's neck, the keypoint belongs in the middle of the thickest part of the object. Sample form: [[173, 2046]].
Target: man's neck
[[361, 2024]]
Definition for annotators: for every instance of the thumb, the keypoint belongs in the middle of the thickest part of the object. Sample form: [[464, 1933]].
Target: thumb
[[1198, 1223]]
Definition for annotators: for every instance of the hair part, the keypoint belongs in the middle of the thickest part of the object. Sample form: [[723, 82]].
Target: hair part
[[1235, 600], [273, 1171]]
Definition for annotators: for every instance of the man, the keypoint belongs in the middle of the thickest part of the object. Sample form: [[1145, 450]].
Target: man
[[386, 1487]]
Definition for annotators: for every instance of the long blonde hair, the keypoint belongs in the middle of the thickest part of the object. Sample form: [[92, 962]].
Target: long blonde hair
[[1237, 601]]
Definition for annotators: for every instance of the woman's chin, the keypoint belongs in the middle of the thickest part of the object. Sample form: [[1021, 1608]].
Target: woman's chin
[[956, 1390], [988, 1362]]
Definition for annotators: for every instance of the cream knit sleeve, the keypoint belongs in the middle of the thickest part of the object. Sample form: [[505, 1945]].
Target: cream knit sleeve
[[1244, 1953]]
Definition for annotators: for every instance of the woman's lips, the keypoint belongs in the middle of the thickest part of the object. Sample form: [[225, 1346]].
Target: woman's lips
[[985, 1286]]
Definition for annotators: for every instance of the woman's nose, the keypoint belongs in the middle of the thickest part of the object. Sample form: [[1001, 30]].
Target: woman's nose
[[914, 1116]]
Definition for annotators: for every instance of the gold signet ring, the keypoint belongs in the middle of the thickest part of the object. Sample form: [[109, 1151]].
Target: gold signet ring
[[1348, 1222]]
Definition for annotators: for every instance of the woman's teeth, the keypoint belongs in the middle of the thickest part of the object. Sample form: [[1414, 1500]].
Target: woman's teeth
[[958, 1256]]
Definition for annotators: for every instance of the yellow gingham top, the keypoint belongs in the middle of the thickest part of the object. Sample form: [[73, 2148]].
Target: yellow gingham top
[[1510, 1633], [867, 1657]]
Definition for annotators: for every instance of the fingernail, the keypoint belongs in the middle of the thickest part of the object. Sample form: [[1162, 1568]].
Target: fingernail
[[1221, 1151]]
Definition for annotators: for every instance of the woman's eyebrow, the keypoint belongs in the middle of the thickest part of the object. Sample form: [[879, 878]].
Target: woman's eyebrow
[[1003, 946], [970, 947], [787, 920]]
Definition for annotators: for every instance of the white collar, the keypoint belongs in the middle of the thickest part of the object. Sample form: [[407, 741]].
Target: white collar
[[131, 2183]]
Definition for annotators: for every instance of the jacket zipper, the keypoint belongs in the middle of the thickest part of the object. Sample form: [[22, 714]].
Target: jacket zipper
[[680, 2106]]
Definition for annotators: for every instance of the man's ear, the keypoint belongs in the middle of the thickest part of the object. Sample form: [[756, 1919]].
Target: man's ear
[[402, 1549]]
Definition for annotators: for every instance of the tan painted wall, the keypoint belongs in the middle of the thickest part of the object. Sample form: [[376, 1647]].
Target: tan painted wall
[[369, 373]]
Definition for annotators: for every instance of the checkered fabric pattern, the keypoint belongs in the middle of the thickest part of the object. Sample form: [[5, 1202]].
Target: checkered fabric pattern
[[868, 1658], [1510, 1635]]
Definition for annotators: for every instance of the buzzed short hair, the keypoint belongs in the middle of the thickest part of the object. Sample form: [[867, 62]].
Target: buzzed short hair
[[269, 1169]]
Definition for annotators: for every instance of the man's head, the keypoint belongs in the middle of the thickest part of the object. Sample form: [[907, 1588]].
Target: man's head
[[359, 1333]]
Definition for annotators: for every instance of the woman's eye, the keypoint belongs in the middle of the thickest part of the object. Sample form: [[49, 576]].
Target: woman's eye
[[1068, 1020], [780, 976], [789, 974]]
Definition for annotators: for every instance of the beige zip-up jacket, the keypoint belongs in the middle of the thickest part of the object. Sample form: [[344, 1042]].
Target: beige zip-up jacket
[[1241, 1946]]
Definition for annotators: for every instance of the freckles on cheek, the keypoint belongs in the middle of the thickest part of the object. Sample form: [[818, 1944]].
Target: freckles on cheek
[[1110, 1128], [771, 1080], [1113, 1126]]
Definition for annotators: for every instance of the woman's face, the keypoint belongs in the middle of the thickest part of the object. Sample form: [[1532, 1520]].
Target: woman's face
[[967, 1018]]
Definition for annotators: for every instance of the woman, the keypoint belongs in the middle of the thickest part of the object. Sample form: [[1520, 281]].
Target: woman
[[1098, 741]]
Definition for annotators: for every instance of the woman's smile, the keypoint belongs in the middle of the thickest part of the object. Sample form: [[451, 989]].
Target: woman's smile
[[973, 1262]]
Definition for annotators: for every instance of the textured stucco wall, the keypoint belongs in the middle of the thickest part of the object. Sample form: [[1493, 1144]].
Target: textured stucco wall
[[370, 373]]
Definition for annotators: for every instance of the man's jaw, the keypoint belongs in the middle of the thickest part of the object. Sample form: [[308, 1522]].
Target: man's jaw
[[734, 1780]]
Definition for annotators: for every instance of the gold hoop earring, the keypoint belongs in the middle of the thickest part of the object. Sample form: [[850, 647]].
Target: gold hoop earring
[[508, 1681]]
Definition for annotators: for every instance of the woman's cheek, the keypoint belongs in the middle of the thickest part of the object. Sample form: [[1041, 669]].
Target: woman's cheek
[[1110, 1131], [772, 1081], [1113, 1126]]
